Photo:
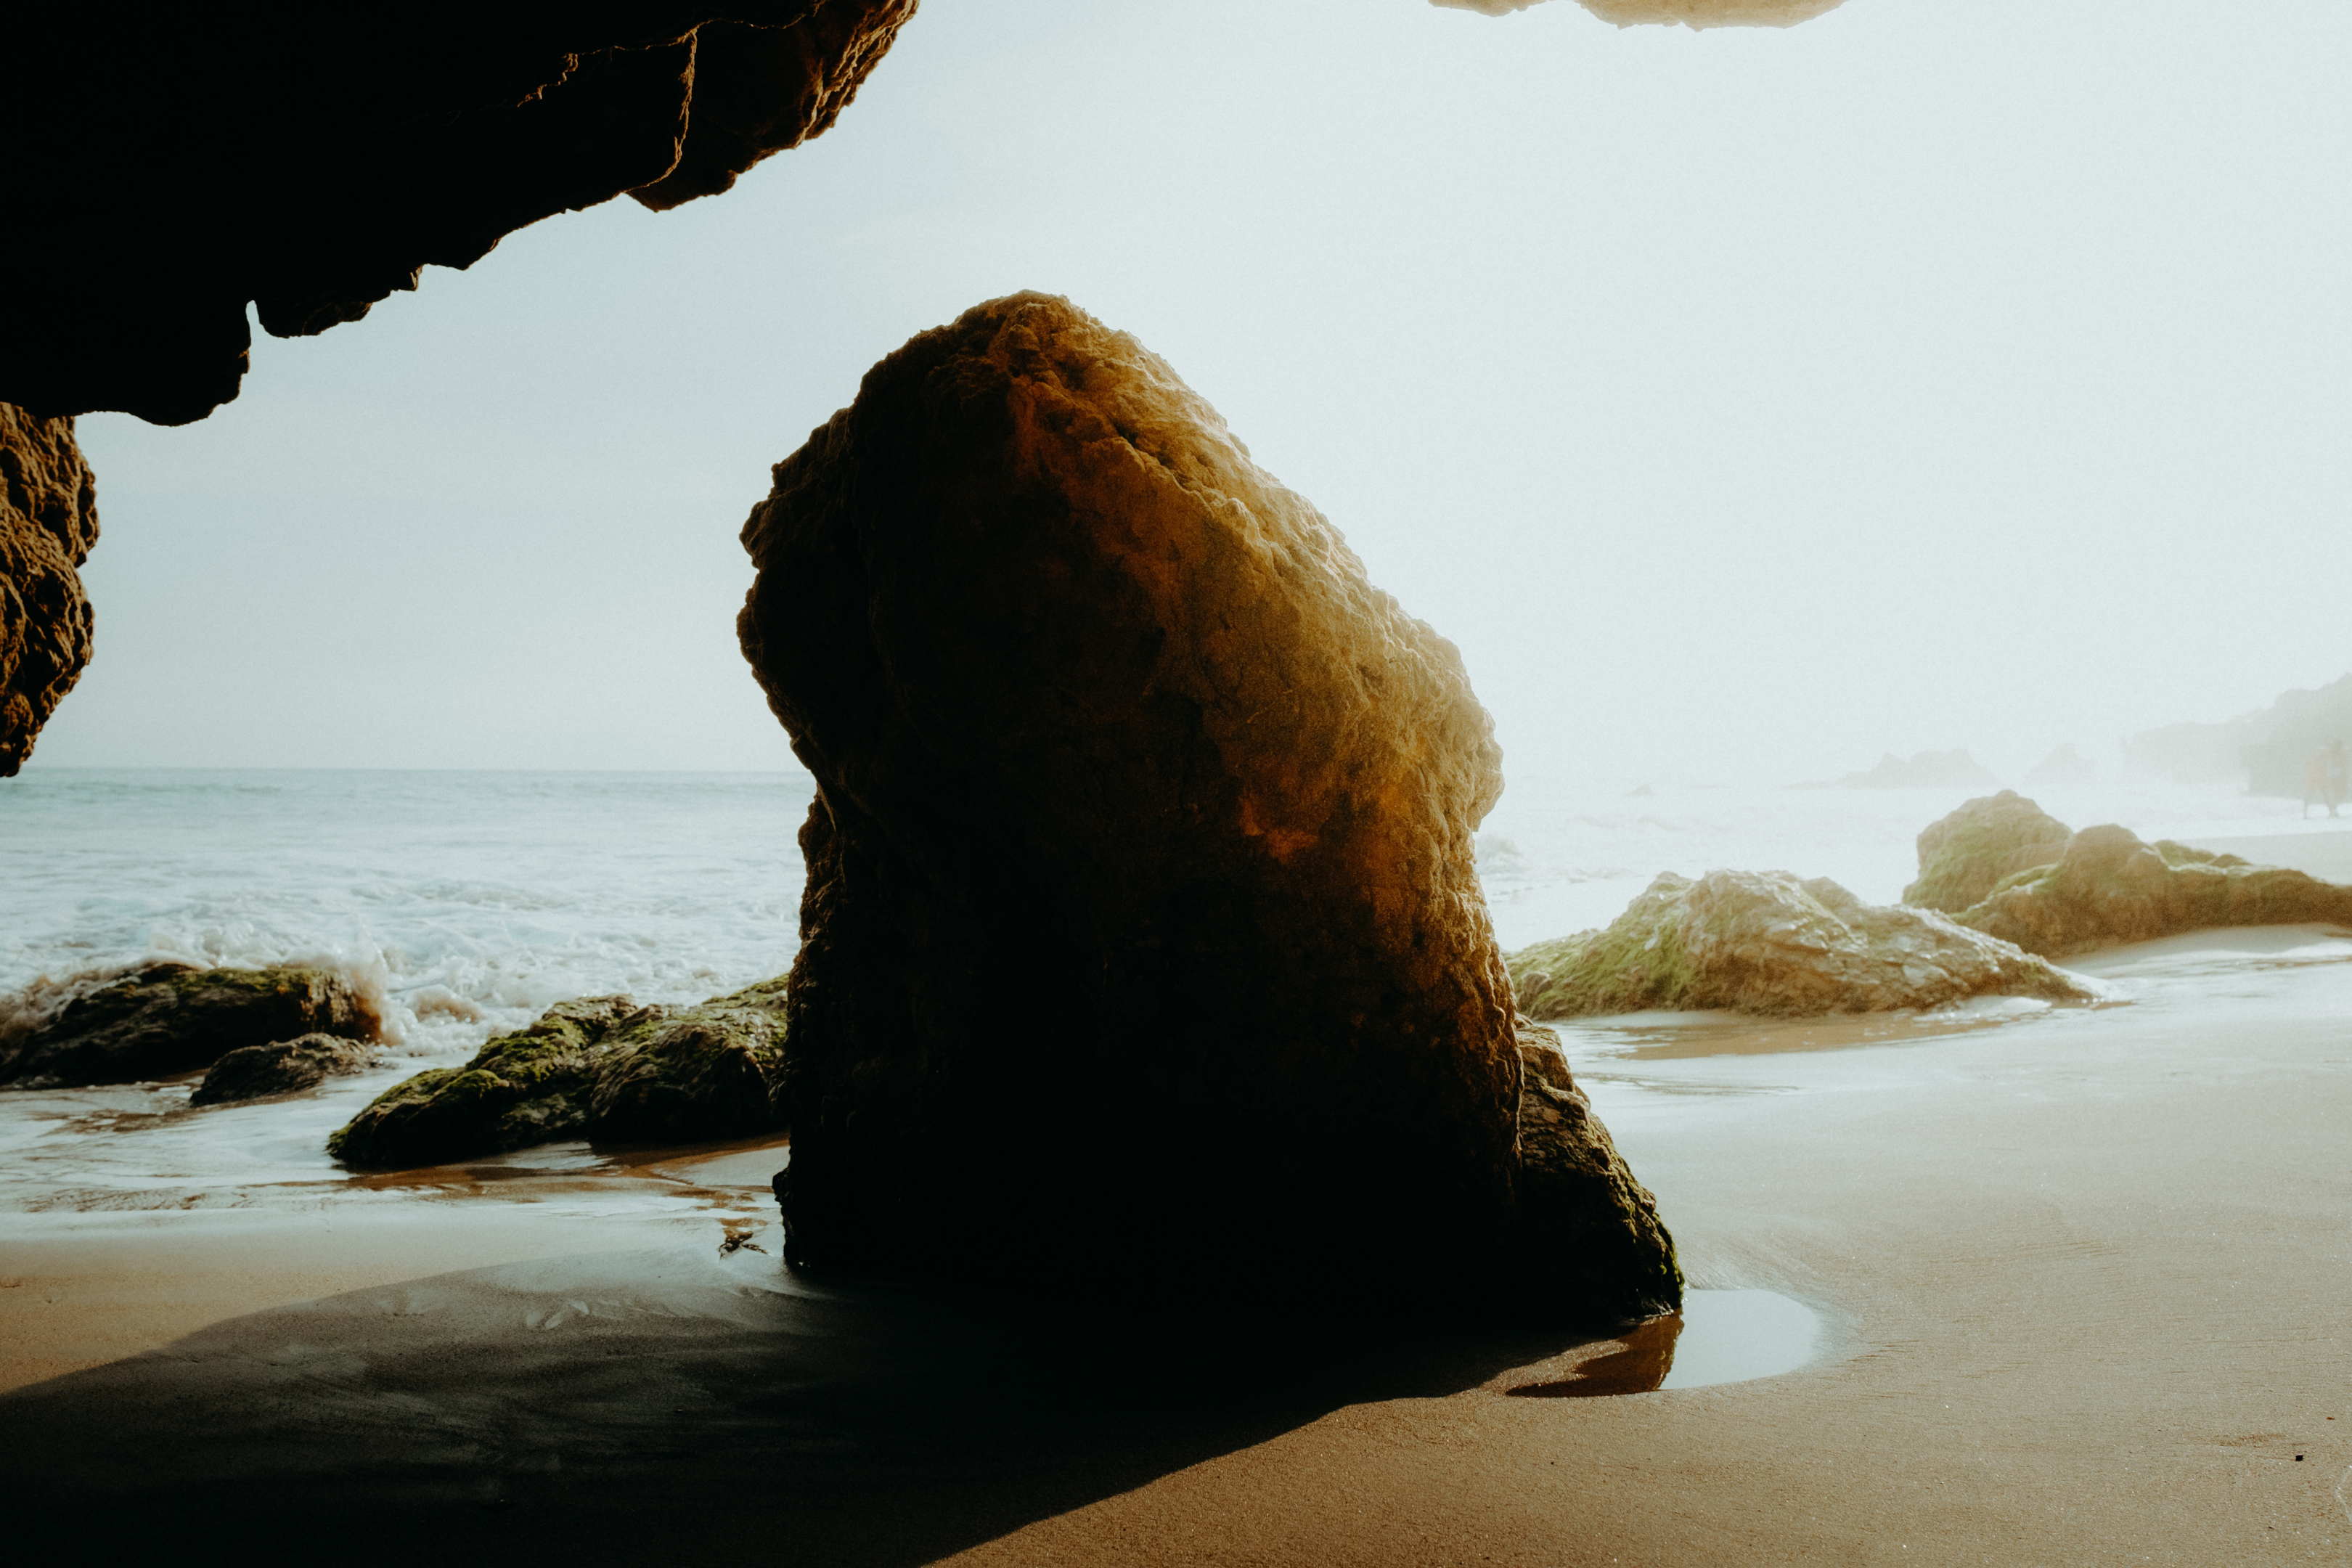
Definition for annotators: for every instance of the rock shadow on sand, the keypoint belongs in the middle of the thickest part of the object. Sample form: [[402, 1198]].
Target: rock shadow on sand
[[626, 1403]]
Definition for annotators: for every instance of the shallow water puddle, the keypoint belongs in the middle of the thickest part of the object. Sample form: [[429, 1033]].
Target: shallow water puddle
[[1675, 1037], [1719, 1336]]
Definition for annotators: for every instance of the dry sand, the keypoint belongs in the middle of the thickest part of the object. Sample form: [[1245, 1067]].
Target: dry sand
[[2088, 1278]]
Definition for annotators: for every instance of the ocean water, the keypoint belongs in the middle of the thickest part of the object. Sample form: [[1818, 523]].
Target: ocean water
[[475, 899], [472, 899]]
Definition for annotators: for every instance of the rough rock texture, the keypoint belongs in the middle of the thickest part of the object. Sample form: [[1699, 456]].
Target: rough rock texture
[[1588, 1231], [601, 1066], [313, 165], [1141, 943], [1689, 13], [2109, 888], [49, 520], [175, 1018], [284, 1066], [1963, 854], [1763, 941]]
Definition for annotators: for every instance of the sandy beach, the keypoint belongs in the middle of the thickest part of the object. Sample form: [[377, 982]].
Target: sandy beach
[[2083, 1278]]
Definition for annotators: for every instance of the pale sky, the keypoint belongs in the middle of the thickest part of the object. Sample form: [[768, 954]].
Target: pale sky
[[1743, 403]]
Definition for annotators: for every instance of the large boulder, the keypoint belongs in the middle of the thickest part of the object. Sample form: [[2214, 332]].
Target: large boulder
[[169, 1018], [282, 1066], [598, 1066], [2109, 888], [1963, 854], [1764, 942], [1142, 943], [49, 520]]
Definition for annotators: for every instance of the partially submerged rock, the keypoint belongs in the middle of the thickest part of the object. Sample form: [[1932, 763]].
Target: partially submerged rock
[[282, 1066], [2109, 888], [1142, 943], [170, 1018], [598, 1066], [1963, 854], [1764, 942]]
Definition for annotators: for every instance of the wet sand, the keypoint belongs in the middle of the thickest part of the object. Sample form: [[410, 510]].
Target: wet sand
[[2087, 1275]]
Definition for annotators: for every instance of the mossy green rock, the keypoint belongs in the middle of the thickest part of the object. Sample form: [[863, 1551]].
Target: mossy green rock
[[600, 1066], [1588, 1231], [1764, 942], [171, 1018], [2109, 888], [1964, 855]]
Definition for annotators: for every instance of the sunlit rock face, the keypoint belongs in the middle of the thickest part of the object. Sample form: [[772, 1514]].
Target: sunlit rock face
[[1141, 943], [49, 520], [1667, 12], [1964, 855], [2109, 887], [311, 165], [1765, 943]]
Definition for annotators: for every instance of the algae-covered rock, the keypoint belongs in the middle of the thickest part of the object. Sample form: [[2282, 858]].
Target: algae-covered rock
[[1588, 1231], [1962, 856], [2109, 887], [170, 1018], [706, 1072], [1764, 942], [599, 1066], [282, 1066]]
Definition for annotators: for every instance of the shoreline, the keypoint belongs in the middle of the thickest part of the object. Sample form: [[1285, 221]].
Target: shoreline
[[2083, 1272]]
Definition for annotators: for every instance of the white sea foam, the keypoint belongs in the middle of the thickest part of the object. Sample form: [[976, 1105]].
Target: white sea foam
[[469, 902], [465, 902]]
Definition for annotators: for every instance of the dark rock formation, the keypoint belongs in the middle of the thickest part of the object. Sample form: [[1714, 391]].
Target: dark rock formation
[[1588, 1231], [313, 165], [1961, 856], [1141, 943], [601, 1066], [2109, 888], [49, 520], [1763, 941], [284, 1066], [1928, 770], [174, 1017]]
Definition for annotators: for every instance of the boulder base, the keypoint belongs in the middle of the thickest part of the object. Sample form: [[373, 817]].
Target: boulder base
[[1143, 945], [1763, 941], [173, 1018]]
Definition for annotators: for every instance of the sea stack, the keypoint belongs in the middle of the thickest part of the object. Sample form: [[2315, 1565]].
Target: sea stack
[[1142, 944]]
